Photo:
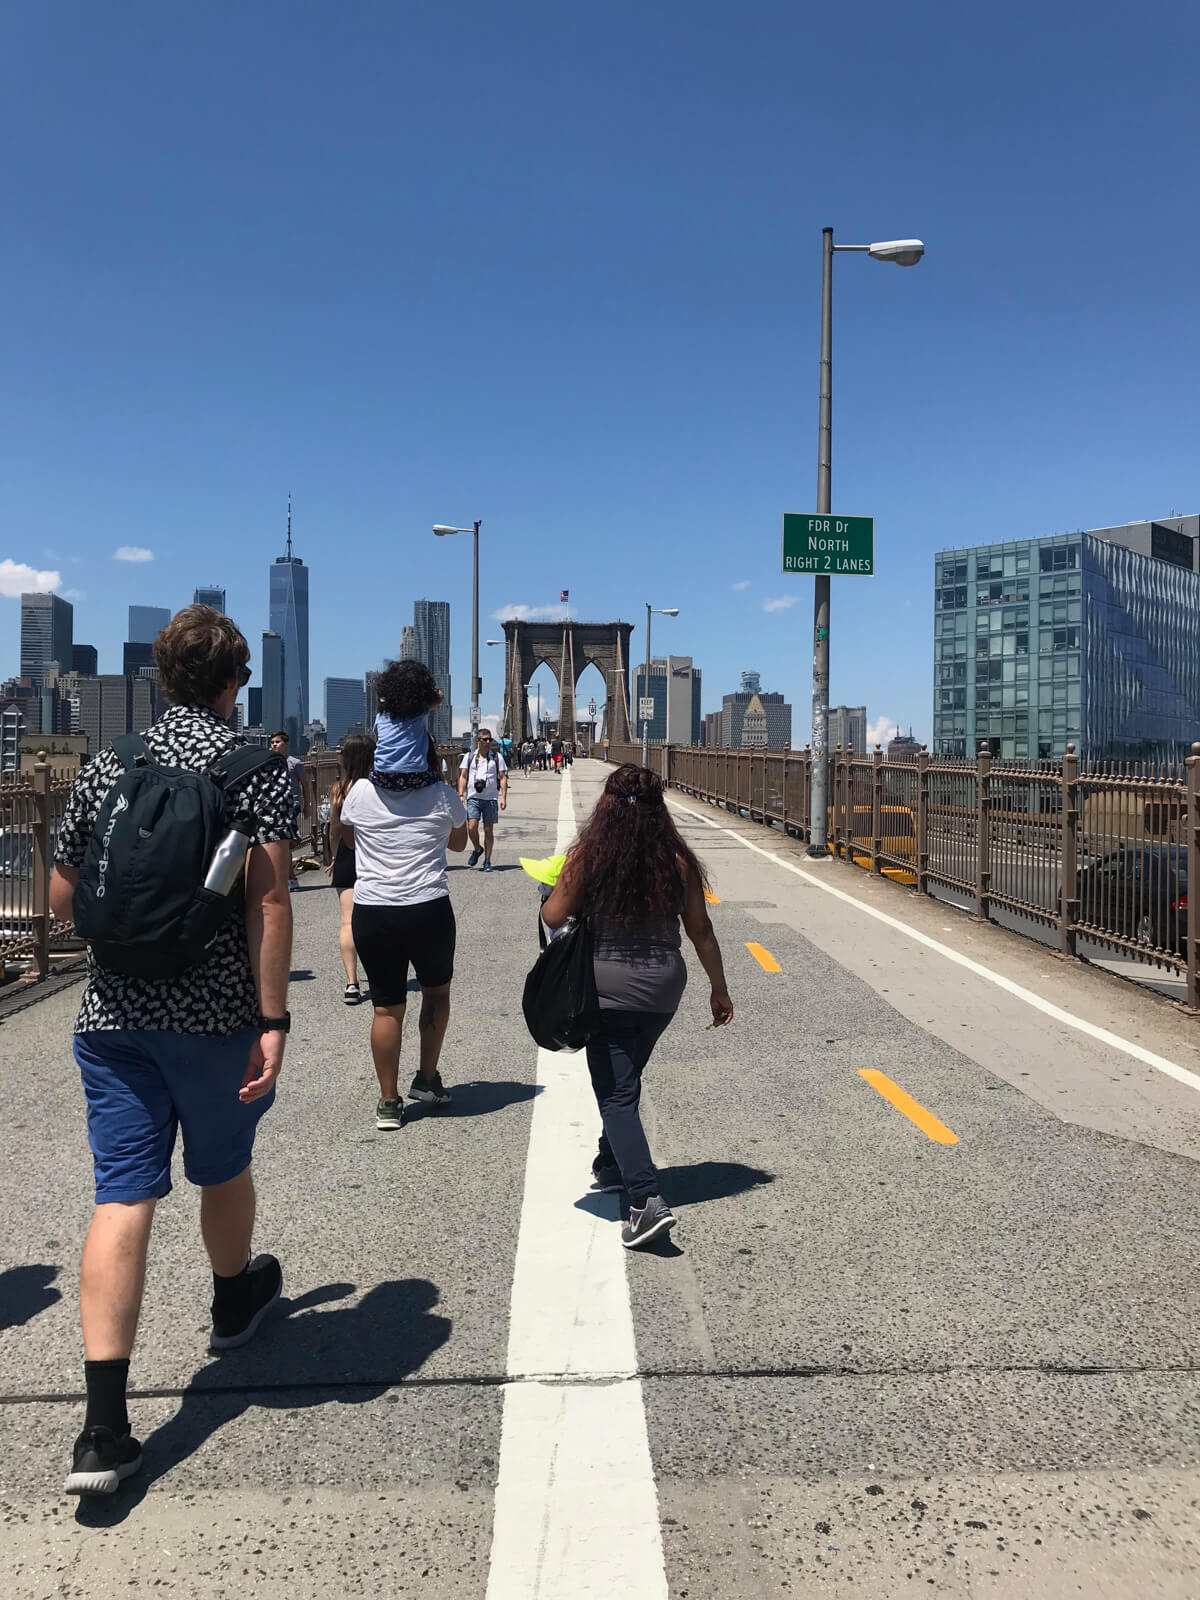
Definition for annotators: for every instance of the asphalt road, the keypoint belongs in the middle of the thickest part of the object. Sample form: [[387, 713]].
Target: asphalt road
[[870, 1362]]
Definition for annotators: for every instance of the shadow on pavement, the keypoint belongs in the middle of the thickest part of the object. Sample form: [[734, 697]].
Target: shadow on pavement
[[301, 975], [710, 1180], [24, 1291], [475, 1100], [365, 1349]]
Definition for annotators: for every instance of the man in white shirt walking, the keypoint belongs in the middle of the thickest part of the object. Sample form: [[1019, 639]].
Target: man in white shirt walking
[[483, 784]]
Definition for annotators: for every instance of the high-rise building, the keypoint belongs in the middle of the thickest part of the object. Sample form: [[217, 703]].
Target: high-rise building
[[751, 681], [47, 630], [408, 644], [371, 708], [712, 730], [775, 710], [431, 623], [345, 708], [213, 597], [289, 619], [110, 705], [273, 662], [848, 729], [1082, 638], [85, 659], [904, 747], [146, 623], [254, 703], [754, 725], [137, 661], [675, 690], [20, 713]]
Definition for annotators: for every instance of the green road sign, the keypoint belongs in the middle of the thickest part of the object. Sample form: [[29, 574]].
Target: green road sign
[[842, 546]]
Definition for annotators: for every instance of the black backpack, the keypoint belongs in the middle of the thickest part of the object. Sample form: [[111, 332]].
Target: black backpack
[[140, 902], [562, 1009]]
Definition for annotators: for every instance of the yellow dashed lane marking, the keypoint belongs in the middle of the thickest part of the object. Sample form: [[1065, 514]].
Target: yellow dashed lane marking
[[764, 958], [915, 1112]]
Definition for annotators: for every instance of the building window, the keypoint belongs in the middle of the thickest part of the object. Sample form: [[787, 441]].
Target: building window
[[1059, 558]]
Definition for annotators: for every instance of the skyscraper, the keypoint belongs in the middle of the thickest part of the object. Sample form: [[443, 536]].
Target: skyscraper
[[675, 690], [213, 597], [85, 660], [408, 645], [345, 708], [848, 729], [371, 708], [254, 708], [272, 683], [289, 619], [431, 620], [137, 661], [773, 709], [47, 630], [146, 623]]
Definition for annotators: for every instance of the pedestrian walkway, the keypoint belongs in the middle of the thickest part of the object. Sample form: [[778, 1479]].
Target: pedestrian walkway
[[930, 1323]]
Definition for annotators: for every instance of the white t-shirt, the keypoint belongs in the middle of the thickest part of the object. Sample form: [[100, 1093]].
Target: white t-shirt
[[476, 766], [400, 842]]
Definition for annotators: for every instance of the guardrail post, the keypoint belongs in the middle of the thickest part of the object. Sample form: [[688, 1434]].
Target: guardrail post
[[806, 794], [921, 842], [41, 866], [877, 809], [1068, 904], [1192, 835], [983, 832], [666, 763]]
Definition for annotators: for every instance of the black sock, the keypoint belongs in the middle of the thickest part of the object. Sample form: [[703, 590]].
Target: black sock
[[106, 1383], [230, 1294]]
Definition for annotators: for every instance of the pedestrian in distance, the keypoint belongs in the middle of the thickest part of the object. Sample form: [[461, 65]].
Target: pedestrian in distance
[[483, 784], [403, 918], [302, 790], [635, 878], [356, 757], [556, 754], [407, 694], [184, 1019]]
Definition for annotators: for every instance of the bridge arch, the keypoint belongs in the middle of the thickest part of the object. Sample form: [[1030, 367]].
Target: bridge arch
[[567, 648]]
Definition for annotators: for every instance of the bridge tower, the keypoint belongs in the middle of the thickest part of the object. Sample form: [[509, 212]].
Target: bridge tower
[[567, 648]]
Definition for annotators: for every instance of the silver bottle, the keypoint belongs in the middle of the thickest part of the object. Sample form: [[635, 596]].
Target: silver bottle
[[229, 861]]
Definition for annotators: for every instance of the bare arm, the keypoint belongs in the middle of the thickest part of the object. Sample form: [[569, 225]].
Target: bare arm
[[462, 782], [269, 935], [697, 924], [566, 898], [458, 838], [503, 788], [62, 890]]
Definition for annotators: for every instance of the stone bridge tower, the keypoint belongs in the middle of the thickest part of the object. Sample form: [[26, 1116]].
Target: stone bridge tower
[[566, 648]]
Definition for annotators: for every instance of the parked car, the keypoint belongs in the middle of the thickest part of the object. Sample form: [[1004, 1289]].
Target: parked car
[[1138, 892], [898, 838]]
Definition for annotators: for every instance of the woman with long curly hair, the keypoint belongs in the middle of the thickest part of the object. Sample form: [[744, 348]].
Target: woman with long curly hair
[[355, 757], [636, 880]]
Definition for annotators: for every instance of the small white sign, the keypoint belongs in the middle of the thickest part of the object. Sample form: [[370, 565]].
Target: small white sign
[[474, 719], [646, 708]]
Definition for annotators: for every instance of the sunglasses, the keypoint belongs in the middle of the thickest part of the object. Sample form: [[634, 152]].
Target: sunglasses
[[244, 676]]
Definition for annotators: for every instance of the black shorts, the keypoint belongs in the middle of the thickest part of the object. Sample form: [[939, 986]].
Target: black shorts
[[344, 873], [390, 938]]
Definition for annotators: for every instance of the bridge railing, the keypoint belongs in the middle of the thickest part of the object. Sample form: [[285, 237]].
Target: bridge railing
[[1100, 854]]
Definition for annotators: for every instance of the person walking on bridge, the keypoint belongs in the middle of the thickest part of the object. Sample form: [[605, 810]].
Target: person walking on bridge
[[355, 759], [632, 874], [483, 784]]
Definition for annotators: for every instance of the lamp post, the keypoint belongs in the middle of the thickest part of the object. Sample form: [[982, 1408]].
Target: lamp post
[[442, 531], [651, 611], [905, 253]]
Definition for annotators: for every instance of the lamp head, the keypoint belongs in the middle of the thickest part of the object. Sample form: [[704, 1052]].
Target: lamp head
[[442, 530], [669, 611], [904, 252]]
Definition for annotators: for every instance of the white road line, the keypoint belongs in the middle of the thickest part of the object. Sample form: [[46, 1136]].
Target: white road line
[[576, 1513], [1171, 1069]]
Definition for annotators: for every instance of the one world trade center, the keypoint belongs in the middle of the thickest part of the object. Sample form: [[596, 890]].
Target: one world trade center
[[289, 619]]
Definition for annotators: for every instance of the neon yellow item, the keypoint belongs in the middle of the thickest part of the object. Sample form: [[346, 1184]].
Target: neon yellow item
[[546, 871]]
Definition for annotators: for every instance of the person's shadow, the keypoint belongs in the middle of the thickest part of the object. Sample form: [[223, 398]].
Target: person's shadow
[[475, 1100], [682, 1186], [348, 1355], [24, 1291]]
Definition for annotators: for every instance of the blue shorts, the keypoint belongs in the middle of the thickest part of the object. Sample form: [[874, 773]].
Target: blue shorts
[[141, 1086], [483, 810]]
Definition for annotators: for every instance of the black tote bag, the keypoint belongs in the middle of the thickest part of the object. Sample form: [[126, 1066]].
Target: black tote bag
[[562, 1009]]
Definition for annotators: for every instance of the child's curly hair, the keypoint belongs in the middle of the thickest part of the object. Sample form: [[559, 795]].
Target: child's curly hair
[[407, 689]]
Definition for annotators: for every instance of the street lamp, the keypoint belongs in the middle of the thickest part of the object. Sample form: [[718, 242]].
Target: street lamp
[[651, 611], [905, 253], [442, 531]]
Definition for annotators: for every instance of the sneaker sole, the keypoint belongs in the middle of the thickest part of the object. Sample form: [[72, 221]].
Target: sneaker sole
[[234, 1341], [426, 1097], [389, 1127], [102, 1482], [663, 1225]]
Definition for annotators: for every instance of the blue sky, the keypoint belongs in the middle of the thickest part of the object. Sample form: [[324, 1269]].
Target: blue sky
[[558, 267]]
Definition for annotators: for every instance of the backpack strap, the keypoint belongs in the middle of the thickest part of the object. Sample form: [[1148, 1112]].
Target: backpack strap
[[236, 765], [130, 750]]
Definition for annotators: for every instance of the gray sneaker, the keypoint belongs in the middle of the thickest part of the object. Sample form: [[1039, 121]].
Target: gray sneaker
[[655, 1217], [429, 1091], [606, 1177]]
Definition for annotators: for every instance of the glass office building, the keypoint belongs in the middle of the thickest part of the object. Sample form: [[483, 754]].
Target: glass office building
[[289, 619], [1075, 639]]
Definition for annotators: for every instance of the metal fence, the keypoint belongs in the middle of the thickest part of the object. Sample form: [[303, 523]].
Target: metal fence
[[31, 810], [1099, 854]]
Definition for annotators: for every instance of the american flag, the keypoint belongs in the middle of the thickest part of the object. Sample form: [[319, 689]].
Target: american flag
[[563, 596]]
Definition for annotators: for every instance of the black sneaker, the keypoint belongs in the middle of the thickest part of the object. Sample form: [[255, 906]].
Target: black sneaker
[[429, 1091], [655, 1217], [103, 1459], [606, 1177], [238, 1324], [389, 1115], [353, 994]]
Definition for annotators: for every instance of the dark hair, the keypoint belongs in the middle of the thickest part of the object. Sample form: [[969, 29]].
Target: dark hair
[[281, 733], [199, 654], [629, 852], [355, 757], [407, 689]]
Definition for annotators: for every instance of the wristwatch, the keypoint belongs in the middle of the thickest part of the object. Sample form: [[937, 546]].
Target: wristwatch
[[281, 1024]]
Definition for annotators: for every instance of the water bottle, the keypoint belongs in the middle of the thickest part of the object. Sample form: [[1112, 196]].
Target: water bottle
[[229, 860]]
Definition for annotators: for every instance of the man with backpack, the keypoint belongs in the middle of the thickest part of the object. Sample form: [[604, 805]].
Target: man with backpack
[[483, 784], [173, 859]]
